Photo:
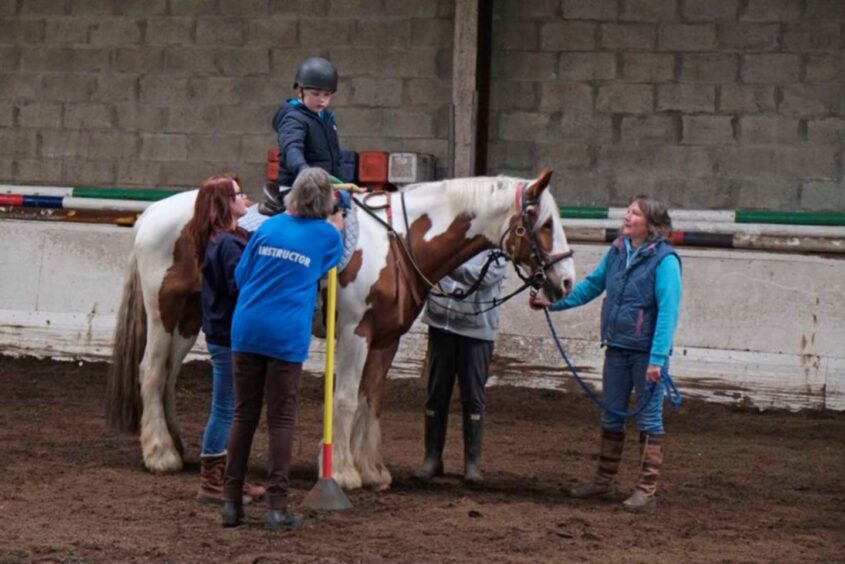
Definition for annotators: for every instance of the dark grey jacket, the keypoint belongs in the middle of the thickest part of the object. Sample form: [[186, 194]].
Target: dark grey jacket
[[305, 139], [460, 317]]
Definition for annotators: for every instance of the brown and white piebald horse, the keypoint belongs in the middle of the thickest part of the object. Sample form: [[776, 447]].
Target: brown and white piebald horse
[[416, 237]]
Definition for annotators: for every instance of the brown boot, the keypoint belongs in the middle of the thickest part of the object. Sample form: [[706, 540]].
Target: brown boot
[[212, 467], [651, 454], [610, 453]]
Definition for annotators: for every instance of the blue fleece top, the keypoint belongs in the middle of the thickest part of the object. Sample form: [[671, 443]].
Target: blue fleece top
[[219, 291], [277, 277], [667, 290]]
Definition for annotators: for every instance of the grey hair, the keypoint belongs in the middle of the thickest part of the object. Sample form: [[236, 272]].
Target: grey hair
[[656, 215], [311, 195]]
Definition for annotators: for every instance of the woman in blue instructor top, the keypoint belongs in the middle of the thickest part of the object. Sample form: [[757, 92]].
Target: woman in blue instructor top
[[271, 332], [641, 274]]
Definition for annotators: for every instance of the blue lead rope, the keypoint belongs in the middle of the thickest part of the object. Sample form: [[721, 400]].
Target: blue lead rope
[[671, 389]]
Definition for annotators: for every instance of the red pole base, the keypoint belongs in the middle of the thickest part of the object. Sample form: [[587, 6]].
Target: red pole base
[[327, 460]]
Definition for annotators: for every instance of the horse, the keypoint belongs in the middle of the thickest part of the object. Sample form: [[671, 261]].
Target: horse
[[406, 243]]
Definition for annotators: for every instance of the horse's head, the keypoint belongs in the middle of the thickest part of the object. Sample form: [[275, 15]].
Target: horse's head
[[535, 241]]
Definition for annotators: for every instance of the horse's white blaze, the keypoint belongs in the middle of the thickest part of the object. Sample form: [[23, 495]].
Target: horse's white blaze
[[565, 269]]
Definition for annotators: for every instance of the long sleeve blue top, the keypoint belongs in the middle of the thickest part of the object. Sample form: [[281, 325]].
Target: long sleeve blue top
[[667, 290], [277, 276]]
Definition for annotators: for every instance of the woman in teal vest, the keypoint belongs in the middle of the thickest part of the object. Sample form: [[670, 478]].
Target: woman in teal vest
[[641, 274]]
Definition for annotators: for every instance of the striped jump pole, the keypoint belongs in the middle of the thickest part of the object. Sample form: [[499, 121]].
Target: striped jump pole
[[326, 493], [72, 203], [81, 202], [793, 244], [102, 193], [780, 230], [716, 216]]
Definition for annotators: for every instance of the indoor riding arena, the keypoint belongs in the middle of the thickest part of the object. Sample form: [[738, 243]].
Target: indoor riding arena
[[731, 112]]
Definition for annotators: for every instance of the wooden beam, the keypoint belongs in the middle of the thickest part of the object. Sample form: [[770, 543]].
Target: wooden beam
[[464, 88]]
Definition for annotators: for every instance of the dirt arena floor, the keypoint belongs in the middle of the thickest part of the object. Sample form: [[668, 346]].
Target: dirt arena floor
[[738, 486]]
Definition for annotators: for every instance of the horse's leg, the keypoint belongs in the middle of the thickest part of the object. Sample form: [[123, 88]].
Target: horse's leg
[[179, 349], [366, 428], [351, 354], [159, 451]]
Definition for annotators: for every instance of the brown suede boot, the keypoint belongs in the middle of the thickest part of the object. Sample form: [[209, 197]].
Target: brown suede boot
[[651, 453], [610, 453], [212, 468]]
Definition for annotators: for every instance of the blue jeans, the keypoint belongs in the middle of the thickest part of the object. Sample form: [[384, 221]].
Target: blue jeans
[[216, 434], [625, 370]]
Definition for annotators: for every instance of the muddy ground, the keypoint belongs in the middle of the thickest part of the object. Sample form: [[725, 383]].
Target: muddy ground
[[738, 485]]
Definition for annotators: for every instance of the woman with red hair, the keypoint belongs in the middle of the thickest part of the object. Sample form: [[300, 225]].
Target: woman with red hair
[[218, 243]]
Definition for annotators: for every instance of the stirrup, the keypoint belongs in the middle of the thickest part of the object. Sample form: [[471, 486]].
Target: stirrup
[[274, 199]]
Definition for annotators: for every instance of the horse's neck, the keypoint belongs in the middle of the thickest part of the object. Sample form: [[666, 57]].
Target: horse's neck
[[440, 240]]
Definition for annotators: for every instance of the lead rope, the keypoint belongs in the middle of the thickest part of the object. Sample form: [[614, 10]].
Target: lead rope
[[671, 389]]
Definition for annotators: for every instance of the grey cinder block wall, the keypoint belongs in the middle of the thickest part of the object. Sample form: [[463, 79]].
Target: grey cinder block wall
[[705, 103], [167, 92]]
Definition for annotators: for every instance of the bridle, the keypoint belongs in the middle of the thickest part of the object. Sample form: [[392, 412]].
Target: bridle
[[523, 230]]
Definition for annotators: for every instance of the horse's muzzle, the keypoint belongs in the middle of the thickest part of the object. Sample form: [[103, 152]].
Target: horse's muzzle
[[555, 290]]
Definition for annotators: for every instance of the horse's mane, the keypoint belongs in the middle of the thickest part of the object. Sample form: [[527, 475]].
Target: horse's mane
[[494, 193]]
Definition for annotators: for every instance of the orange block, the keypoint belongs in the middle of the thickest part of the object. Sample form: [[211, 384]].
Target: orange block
[[271, 170], [372, 167]]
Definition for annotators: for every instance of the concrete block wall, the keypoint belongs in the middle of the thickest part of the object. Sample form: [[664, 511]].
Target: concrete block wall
[[703, 103], [167, 92]]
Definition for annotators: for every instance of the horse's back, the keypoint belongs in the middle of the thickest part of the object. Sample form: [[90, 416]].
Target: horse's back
[[161, 244], [162, 223]]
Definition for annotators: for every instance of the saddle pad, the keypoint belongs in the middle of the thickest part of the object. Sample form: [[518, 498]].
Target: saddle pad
[[253, 220]]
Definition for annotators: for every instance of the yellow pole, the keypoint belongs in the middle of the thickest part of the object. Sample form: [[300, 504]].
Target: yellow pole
[[329, 391], [326, 493]]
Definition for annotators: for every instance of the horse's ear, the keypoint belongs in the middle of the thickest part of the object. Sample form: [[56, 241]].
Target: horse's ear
[[539, 185]]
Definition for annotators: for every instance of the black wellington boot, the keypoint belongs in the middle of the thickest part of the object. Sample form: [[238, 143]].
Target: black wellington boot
[[473, 430], [282, 520], [435, 440], [232, 513]]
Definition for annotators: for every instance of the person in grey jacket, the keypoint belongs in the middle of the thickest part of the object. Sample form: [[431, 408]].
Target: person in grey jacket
[[461, 336]]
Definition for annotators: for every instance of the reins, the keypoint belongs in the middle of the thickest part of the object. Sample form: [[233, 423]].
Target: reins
[[403, 244], [522, 229], [671, 389]]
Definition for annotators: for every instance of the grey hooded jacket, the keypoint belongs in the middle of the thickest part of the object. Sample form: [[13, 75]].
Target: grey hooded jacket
[[462, 317]]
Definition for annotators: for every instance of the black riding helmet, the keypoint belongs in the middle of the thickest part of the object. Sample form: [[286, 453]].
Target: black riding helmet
[[316, 72]]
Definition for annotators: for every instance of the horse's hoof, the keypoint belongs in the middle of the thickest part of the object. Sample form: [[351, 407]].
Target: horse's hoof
[[377, 480], [347, 480], [165, 463]]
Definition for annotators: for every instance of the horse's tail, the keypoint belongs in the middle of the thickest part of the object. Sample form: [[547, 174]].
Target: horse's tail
[[123, 393]]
